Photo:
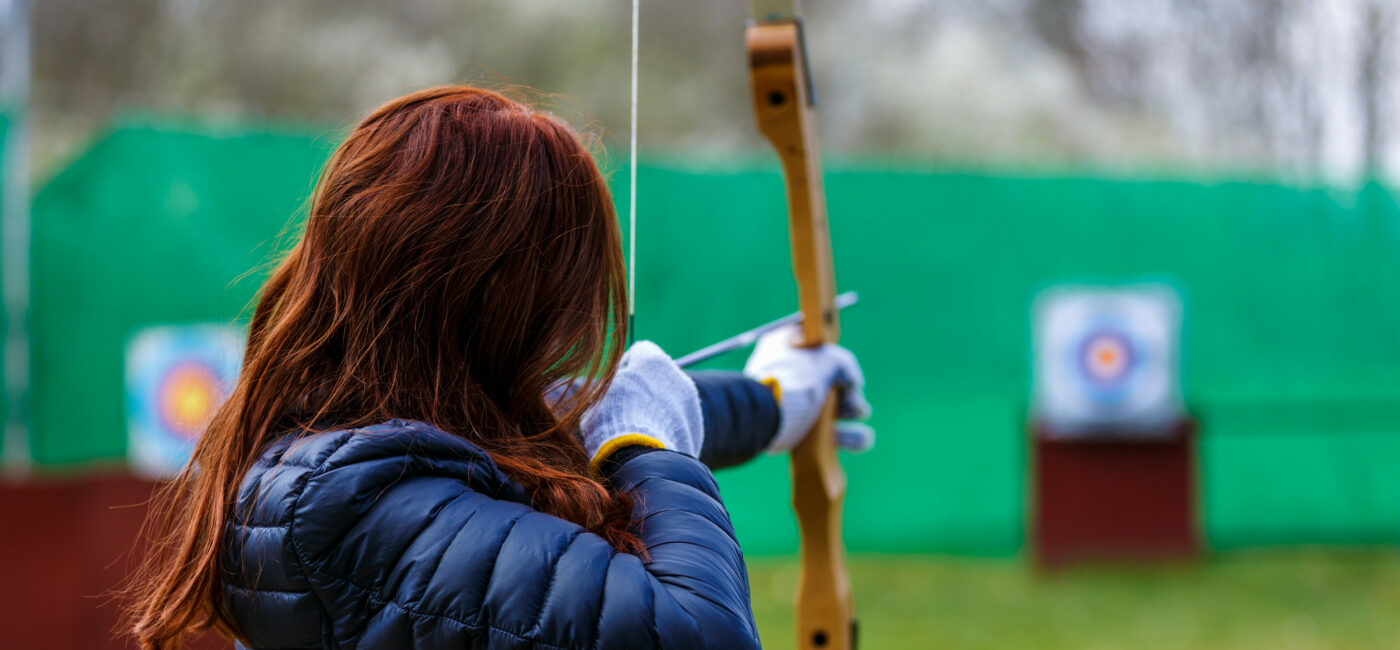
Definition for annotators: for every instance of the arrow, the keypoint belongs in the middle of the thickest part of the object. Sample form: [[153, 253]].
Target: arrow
[[748, 337]]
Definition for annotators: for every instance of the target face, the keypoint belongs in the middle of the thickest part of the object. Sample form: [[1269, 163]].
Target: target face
[[1106, 360], [176, 377]]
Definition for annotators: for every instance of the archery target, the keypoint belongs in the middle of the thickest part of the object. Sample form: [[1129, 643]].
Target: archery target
[[1106, 360], [176, 377]]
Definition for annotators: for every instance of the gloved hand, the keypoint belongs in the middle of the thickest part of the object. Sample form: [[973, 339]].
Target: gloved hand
[[651, 402], [804, 377]]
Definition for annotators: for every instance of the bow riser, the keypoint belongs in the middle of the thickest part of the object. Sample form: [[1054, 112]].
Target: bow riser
[[789, 123], [785, 116]]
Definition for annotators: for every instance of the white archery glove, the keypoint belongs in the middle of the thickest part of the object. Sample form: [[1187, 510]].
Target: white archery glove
[[651, 402], [804, 377]]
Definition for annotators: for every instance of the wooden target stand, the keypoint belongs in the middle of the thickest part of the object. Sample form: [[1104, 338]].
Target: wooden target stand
[[1114, 498], [65, 551]]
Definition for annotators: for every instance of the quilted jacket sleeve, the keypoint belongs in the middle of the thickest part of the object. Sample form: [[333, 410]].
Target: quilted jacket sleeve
[[741, 417], [406, 545]]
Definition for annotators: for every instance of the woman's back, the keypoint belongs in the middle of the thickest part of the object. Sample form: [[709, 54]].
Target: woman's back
[[401, 535]]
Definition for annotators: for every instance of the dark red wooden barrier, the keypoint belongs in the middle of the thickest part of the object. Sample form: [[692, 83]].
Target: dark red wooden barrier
[[64, 545], [1114, 499]]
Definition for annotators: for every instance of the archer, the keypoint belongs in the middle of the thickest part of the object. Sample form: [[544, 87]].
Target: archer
[[436, 439]]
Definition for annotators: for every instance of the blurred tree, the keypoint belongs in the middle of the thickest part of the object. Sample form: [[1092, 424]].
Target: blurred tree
[[1286, 86], [1379, 21]]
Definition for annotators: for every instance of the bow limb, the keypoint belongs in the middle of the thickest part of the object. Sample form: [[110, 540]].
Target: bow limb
[[783, 108]]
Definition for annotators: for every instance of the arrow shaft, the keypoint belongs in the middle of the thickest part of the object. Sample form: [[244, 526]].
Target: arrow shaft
[[748, 337]]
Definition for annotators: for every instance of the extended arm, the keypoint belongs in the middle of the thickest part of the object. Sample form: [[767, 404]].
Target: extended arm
[[740, 414]]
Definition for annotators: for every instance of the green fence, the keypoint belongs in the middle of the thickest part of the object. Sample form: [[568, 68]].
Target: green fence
[[1292, 330]]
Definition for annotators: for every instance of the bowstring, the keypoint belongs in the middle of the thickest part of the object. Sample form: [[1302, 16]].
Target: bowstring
[[632, 189]]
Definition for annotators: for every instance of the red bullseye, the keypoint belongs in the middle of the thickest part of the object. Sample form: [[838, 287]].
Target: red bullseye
[[188, 397], [1106, 358]]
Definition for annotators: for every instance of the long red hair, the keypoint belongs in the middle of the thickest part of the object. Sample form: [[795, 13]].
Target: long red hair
[[461, 257]]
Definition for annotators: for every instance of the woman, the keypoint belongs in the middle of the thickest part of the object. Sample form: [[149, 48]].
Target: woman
[[433, 441]]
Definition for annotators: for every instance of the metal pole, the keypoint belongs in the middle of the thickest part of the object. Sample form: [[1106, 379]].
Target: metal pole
[[14, 230]]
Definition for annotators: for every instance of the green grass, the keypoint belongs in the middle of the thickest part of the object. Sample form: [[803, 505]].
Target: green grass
[[1274, 599]]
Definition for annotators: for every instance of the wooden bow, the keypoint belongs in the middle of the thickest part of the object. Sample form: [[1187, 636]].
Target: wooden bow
[[783, 104]]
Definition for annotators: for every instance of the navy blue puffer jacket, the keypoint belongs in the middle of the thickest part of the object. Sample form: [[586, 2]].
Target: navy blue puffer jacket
[[400, 535]]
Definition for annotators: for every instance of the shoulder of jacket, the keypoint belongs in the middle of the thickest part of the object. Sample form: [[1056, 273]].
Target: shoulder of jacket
[[395, 442], [332, 466]]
